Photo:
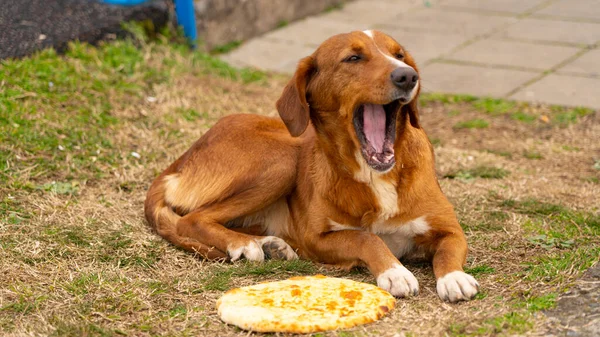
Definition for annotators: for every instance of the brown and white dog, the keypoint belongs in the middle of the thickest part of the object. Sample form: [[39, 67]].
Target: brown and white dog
[[346, 179]]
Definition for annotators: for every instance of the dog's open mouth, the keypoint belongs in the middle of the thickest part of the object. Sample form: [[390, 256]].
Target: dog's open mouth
[[375, 126]]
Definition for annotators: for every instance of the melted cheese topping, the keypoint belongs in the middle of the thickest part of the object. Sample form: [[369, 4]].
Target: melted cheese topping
[[304, 305]]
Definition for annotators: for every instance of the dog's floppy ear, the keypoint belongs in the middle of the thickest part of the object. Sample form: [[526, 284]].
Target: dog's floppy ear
[[292, 105], [412, 109]]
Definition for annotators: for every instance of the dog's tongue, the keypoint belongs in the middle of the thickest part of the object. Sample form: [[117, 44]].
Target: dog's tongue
[[374, 125]]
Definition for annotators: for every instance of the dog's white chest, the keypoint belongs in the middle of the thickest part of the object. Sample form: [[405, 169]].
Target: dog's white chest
[[384, 191], [400, 237]]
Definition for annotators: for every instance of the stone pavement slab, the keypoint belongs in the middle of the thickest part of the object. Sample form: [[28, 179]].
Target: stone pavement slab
[[269, 55], [562, 90], [554, 31], [587, 64], [312, 31], [372, 12], [512, 53], [449, 22], [586, 9], [473, 80], [527, 49], [425, 47], [510, 6]]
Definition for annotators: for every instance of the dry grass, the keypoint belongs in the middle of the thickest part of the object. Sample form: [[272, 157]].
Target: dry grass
[[78, 259]]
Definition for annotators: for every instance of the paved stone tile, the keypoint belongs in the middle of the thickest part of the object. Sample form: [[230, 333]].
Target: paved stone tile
[[465, 79], [372, 12], [563, 90], [268, 55], [312, 31], [510, 53], [587, 9], [449, 22], [425, 47], [587, 64], [511, 6], [554, 30], [434, 29]]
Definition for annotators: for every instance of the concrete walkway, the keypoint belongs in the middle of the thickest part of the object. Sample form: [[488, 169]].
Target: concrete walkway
[[533, 50]]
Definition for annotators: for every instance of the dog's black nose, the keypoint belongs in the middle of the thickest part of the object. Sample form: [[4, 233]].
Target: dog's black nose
[[405, 78]]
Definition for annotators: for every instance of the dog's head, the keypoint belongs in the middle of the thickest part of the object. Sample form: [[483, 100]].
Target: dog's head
[[353, 88]]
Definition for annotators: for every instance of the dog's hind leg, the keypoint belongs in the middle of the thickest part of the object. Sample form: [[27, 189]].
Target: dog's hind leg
[[205, 225]]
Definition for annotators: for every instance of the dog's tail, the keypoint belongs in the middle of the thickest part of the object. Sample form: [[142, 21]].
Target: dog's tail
[[163, 219]]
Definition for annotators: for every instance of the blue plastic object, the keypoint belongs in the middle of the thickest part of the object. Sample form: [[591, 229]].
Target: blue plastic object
[[186, 17], [184, 9], [124, 2]]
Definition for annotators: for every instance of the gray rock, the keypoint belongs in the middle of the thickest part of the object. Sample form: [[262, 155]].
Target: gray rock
[[577, 312], [30, 25]]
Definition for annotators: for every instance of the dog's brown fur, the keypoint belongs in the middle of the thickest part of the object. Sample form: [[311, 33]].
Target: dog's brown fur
[[251, 176]]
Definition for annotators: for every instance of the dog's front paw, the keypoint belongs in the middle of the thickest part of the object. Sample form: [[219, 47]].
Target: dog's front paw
[[457, 286], [252, 251], [276, 248], [398, 281]]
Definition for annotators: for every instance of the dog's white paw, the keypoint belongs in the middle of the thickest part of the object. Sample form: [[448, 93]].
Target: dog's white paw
[[457, 286], [398, 281], [251, 251], [276, 248]]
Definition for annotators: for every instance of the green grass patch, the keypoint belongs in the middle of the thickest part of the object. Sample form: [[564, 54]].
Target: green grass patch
[[549, 242], [192, 115], [572, 239], [83, 284], [48, 103], [435, 142], [226, 48], [83, 329], [556, 266], [504, 154], [480, 270], [282, 24], [71, 236], [334, 7], [533, 155], [212, 65], [472, 124], [523, 117], [565, 116], [569, 148], [24, 304], [493, 106], [544, 302], [507, 324], [511, 323], [65, 188], [429, 98], [555, 222], [534, 207], [485, 172], [178, 310]]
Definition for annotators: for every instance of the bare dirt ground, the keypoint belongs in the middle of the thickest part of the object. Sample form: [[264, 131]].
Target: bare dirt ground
[[77, 258]]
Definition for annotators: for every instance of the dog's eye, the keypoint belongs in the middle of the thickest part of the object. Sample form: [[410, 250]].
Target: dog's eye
[[399, 56], [353, 58]]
